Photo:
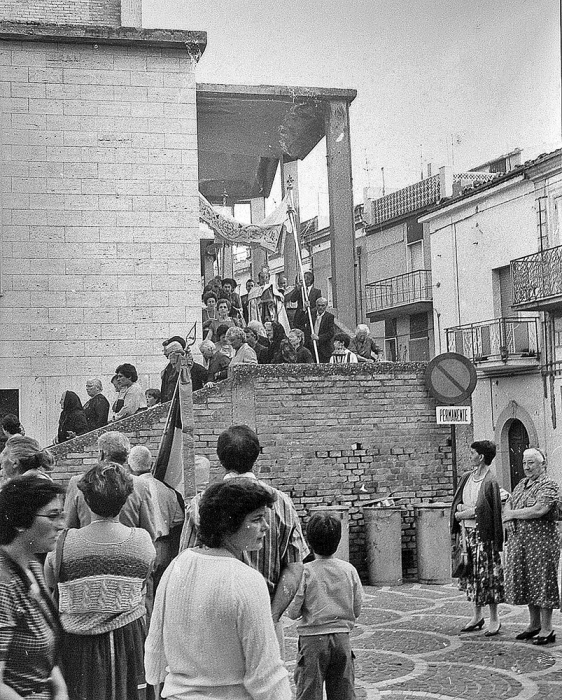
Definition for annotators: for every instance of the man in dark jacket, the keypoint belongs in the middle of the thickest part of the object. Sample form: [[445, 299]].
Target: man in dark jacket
[[97, 408], [322, 330], [300, 318]]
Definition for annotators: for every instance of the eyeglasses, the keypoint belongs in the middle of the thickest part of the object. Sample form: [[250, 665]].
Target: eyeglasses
[[59, 515]]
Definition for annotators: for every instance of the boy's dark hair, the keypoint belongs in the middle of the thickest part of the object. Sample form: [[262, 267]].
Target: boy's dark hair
[[323, 533], [238, 448], [343, 338], [129, 371], [486, 448]]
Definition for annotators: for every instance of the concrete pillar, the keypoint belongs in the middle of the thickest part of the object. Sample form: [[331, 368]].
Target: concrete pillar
[[227, 268], [208, 262], [289, 174], [342, 227], [259, 255], [131, 13]]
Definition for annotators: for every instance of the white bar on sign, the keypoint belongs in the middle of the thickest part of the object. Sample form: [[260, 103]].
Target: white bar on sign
[[453, 415]]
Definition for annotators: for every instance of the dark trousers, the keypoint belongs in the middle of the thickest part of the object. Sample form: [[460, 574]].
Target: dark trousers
[[325, 658]]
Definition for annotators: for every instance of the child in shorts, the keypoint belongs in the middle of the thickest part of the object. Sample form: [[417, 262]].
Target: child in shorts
[[328, 602]]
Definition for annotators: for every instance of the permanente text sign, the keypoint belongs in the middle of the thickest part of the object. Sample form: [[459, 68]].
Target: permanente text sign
[[453, 415]]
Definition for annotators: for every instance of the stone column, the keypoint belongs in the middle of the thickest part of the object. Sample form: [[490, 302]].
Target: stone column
[[342, 227]]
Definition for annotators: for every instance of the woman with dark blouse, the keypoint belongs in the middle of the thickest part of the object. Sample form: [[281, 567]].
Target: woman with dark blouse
[[72, 420], [477, 509], [31, 517], [275, 334]]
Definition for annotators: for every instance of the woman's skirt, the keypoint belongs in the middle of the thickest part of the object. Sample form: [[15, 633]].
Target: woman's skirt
[[533, 552], [107, 666], [485, 584]]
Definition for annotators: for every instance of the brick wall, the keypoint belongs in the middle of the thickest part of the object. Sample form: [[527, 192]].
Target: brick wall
[[330, 435], [96, 12], [98, 173]]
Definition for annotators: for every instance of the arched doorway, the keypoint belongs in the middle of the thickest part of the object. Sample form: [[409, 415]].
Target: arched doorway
[[518, 440]]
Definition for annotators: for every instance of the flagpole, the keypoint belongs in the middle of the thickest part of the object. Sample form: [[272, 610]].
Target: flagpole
[[292, 216]]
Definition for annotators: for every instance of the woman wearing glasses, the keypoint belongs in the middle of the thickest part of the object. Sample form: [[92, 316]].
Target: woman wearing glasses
[[101, 571], [31, 517]]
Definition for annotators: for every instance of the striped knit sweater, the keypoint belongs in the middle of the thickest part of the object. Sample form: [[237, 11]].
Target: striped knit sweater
[[101, 586]]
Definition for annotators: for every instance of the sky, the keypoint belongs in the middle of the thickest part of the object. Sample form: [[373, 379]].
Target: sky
[[446, 82]]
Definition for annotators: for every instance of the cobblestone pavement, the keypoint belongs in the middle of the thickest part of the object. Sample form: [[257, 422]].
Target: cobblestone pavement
[[408, 646]]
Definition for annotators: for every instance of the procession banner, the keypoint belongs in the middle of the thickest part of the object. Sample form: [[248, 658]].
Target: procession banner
[[269, 234]]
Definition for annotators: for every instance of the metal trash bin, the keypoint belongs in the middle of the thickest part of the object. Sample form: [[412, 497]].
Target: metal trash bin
[[383, 526], [341, 512], [433, 541]]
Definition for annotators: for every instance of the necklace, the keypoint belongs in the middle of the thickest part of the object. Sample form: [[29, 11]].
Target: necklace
[[477, 481]]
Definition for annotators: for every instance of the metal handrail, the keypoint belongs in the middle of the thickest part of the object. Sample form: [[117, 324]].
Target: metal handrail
[[402, 289], [498, 338], [537, 276]]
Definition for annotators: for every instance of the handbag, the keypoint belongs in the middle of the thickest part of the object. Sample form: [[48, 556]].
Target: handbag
[[461, 564]]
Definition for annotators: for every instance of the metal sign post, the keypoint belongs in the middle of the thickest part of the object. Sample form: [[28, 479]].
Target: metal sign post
[[451, 378]]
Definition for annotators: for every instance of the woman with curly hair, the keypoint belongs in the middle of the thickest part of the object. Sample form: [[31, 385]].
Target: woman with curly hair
[[31, 517], [232, 617]]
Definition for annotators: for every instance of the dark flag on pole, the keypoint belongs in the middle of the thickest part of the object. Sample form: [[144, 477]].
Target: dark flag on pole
[[175, 462], [168, 466]]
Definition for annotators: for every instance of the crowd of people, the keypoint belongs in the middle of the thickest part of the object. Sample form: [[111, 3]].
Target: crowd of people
[[270, 324], [281, 325], [105, 586]]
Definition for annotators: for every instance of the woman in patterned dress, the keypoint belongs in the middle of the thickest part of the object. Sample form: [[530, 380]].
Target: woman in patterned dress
[[533, 547], [477, 508], [31, 517]]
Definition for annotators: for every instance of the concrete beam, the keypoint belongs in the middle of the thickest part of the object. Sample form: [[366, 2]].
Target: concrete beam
[[194, 42]]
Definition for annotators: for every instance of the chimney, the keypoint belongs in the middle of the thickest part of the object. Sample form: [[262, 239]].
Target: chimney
[[445, 182], [131, 13]]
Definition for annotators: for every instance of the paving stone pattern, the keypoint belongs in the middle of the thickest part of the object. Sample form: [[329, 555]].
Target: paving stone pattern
[[408, 646]]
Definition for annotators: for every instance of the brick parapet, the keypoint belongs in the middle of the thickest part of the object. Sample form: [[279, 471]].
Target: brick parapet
[[330, 435]]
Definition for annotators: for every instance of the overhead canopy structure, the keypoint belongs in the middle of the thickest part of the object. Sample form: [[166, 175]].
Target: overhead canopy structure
[[244, 131]]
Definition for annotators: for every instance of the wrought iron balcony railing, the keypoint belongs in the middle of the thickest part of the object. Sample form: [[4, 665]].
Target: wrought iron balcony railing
[[497, 339], [537, 278], [399, 291]]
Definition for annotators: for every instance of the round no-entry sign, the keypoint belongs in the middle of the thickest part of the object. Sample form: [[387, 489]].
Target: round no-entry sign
[[450, 377]]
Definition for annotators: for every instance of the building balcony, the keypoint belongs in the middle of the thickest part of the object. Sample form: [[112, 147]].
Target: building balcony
[[402, 295], [537, 281], [499, 346]]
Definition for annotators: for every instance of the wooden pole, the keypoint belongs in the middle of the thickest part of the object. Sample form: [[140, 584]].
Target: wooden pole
[[292, 216]]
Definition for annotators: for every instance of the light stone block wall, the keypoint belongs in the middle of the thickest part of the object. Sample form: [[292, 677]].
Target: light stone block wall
[[99, 12], [100, 252]]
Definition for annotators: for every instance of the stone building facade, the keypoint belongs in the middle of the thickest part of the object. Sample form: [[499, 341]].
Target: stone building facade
[[98, 173]]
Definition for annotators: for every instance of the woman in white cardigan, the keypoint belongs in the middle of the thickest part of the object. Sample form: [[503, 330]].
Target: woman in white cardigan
[[211, 633]]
